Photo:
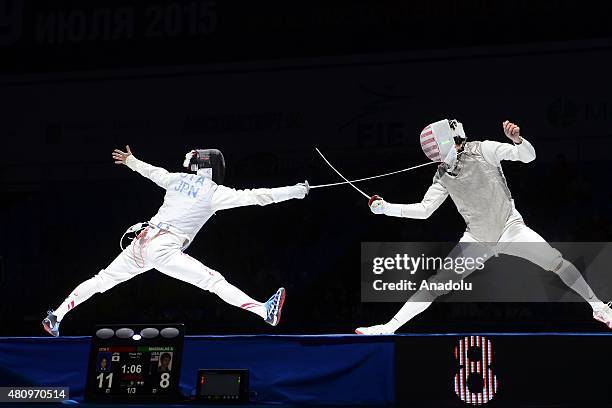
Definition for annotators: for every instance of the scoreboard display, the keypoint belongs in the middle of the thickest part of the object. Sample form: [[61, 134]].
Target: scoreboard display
[[135, 363], [503, 369]]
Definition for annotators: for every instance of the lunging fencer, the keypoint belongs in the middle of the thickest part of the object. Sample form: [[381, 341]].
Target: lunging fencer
[[471, 174], [190, 200]]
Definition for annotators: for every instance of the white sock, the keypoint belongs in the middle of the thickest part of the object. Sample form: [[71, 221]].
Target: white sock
[[574, 280], [235, 297], [79, 295], [407, 312]]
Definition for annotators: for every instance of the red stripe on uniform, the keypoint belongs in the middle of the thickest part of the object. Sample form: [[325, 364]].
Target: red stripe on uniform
[[248, 305], [428, 141]]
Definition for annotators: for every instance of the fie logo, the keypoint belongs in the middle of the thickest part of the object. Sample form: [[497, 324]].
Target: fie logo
[[11, 21]]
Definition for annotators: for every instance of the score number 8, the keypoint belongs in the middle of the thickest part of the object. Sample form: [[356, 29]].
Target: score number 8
[[475, 382], [164, 380]]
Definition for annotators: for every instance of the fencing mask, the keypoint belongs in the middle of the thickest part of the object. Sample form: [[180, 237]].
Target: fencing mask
[[438, 141], [208, 162]]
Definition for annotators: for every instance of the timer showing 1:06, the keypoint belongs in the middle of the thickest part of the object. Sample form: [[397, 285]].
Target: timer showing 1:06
[[131, 369]]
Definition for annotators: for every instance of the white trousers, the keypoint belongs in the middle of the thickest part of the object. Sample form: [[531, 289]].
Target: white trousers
[[515, 240], [516, 232], [159, 249]]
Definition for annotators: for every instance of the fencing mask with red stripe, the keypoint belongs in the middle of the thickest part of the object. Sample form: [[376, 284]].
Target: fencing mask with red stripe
[[438, 141]]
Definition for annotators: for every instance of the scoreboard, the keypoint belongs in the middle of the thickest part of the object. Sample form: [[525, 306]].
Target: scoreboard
[[503, 369], [135, 363]]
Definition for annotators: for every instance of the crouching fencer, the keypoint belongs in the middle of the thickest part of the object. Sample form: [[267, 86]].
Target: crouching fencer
[[471, 173], [190, 200]]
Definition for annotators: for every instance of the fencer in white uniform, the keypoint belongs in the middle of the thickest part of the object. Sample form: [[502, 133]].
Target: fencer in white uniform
[[190, 200], [471, 174]]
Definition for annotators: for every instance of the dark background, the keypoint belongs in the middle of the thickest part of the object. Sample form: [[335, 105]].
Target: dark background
[[266, 82]]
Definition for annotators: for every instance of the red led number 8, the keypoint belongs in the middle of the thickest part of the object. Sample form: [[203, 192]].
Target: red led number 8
[[475, 382]]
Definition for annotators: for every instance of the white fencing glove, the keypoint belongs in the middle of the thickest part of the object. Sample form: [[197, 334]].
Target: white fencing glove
[[377, 204], [380, 206], [300, 190]]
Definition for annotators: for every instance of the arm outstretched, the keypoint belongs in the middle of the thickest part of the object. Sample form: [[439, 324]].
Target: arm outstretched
[[434, 197], [225, 197], [158, 175]]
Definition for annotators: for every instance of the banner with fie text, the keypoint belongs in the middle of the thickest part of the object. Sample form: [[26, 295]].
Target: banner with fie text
[[486, 272]]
